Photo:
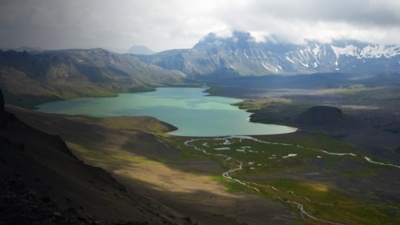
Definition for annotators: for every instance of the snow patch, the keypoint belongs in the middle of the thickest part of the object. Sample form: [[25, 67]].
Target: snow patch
[[267, 67], [369, 51], [289, 59], [222, 148], [245, 54], [316, 50], [289, 155], [227, 142], [304, 64]]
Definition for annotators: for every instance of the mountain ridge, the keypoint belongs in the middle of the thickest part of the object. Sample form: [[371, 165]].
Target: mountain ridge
[[32, 78], [242, 55]]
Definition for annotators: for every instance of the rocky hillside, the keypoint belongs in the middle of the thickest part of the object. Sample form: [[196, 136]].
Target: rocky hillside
[[30, 78], [42, 182], [241, 54]]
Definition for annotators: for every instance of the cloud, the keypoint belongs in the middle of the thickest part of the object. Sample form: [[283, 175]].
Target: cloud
[[355, 12], [166, 24], [292, 20]]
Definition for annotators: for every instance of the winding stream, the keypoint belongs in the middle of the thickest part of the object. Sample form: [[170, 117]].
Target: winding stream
[[239, 166]]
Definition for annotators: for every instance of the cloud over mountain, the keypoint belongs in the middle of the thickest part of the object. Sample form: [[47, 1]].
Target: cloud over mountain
[[163, 25]]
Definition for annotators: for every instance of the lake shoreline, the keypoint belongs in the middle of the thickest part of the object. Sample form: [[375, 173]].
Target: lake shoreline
[[194, 113]]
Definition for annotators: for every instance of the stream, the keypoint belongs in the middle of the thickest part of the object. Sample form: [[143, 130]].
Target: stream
[[251, 185]]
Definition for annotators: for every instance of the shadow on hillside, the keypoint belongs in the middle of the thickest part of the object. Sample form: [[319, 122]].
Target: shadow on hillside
[[159, 174]]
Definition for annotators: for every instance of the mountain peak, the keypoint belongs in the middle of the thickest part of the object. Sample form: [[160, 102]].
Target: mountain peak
[[236, 39], [140, 50], [239, 53]]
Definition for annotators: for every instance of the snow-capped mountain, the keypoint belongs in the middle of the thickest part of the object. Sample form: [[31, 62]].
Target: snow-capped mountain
[[241, 54]]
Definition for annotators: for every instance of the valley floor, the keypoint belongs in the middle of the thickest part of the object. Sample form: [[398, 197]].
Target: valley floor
[[155, 168], [347, 175]]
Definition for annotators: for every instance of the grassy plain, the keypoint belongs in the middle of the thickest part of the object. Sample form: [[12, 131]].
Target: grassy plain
[[303, 169], [342, 189]]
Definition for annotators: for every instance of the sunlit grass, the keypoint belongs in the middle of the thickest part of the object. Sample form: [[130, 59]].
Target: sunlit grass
[[346, 91], [276, 166], [261, 103]]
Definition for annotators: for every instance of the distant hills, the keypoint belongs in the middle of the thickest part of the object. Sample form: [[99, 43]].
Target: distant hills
[[140, 50], [30, 78], [242, 55], [23, 48]]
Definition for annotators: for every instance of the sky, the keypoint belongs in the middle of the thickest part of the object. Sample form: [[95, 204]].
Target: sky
[[160, 25]]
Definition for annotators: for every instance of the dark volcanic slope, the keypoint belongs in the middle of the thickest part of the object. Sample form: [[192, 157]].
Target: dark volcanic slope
[[316, 118], [325, 118], [41, 181]]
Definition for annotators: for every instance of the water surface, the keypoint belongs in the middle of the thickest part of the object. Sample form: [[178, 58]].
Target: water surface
[[189, 109]]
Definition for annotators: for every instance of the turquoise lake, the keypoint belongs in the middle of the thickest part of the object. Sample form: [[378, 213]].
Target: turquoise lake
[[189, 109]]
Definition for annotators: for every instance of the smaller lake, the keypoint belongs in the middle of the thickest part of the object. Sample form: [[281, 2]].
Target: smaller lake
[[189, 109]]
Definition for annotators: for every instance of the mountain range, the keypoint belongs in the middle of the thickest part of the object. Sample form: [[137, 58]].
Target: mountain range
[[242, 55], [28, 78], [49, 162]]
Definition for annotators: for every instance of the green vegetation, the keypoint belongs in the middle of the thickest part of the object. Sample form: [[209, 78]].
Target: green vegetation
[[304, 169], [29, 79], [233, 186], [261, 103], [351, 90]]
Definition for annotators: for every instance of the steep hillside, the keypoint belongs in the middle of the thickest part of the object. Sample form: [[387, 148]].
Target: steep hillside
[[241, 54], [42, 182], [30, 78]]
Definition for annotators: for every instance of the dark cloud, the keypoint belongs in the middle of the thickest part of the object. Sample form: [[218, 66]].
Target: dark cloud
[[162, 24]]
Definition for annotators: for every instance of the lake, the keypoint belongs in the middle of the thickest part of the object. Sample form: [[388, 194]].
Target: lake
[[189, 109]]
